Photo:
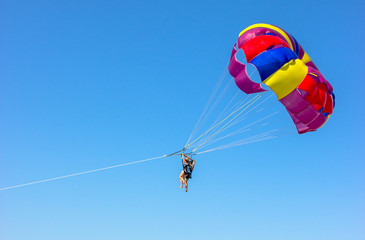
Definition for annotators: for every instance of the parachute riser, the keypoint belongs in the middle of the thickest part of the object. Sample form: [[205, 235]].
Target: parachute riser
[[175, 153], [182, 151]]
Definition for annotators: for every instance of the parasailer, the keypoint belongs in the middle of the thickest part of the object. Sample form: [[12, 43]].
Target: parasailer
[[285, 68], [186, 173]]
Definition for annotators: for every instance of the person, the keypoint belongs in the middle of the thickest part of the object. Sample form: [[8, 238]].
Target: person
[[188, 167]]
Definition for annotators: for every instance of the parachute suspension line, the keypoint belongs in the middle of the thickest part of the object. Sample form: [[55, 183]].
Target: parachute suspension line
[[238, 103], [230, 110], [270, 115], [241, 130], [81, 173], [226, 126], [240, 144], [218, 139], [244, 143], [214, 105], [217, 86], [234, 123], [202, 117], [214, 127], [217, 132], [219, 98], [235, 108], [256, 138], [210, 129], [244, 129], [215, 124], [242, 117], [249, 103], [217, 101], [230, 102]]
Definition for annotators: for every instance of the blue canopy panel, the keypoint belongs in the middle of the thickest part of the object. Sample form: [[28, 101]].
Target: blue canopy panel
[[270, 61]]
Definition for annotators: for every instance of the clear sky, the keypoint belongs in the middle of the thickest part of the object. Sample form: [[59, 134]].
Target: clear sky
[[91, 84]]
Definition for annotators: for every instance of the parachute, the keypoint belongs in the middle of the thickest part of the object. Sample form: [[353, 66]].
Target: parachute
[[287, 70]]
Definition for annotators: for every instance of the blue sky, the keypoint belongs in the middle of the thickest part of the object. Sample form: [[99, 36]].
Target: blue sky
[[90, 84]]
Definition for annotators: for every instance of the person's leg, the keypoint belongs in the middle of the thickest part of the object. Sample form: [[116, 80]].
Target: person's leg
[[181, 177], [186, 184]]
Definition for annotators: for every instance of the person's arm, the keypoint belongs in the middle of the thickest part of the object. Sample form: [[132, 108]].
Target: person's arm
[[193, 161], [183, 158]]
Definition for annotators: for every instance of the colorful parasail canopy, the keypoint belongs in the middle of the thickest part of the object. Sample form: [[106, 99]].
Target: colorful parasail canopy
[[285, 68]]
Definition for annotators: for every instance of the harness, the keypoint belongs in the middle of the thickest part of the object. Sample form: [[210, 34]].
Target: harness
[[187, 169]]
